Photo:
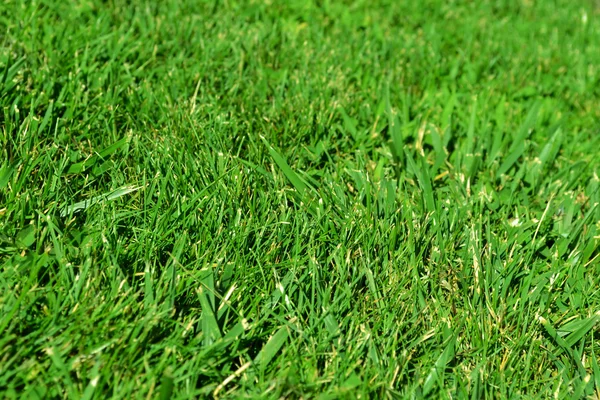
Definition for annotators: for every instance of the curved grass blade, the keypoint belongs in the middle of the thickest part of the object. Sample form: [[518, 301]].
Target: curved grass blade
[[85, 204], [101, 155], [289, 173]]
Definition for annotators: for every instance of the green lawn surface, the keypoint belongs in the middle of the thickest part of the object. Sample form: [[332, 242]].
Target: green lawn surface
[[299, 199]]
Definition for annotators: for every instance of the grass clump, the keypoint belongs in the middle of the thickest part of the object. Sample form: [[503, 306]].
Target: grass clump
[[299, 198]]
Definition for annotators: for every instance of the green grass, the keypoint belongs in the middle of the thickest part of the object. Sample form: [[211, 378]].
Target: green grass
[[332, 199]]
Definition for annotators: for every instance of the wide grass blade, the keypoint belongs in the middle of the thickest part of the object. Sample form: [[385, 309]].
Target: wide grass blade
[[210, 324], [5, 173], [270, 350], [436, 375], [564, 345], [517, 148], [422, 174], [395, 132], [105, 197], [576, 330], [166, 386], [80, 167], [290, 174]]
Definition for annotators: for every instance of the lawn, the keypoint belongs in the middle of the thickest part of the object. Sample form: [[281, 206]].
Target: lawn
[[299, 199]]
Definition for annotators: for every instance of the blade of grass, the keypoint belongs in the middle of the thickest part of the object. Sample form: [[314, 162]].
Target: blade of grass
[[395, 131], [436, 375], [105, 197], [290, 174], [564, 346], [166, 385], [210, 325], [576, 330], [271, 348], [424, 180], [80, 167], [5, 173], [517, 148]]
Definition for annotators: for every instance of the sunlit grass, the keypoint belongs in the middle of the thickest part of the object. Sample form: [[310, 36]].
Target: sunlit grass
[[342, 199]]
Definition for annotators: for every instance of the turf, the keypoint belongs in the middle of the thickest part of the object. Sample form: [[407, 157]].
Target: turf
[[302, 199]]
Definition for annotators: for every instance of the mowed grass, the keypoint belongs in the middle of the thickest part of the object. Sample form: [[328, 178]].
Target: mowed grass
[[301, 199]]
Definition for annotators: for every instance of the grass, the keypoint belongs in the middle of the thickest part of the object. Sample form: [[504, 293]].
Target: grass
[[331, 199]]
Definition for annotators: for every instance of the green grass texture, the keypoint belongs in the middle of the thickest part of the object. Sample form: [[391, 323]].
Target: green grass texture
[[299, 199]]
